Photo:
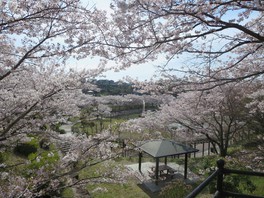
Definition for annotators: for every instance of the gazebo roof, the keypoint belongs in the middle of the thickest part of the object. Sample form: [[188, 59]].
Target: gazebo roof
[[163, 148]]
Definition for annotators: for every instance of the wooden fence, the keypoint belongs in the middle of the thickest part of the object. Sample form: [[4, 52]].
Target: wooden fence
[[219, 175]]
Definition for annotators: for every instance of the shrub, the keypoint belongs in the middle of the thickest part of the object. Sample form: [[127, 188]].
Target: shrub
[[44, 144], [25, 149], [44, 159], [233, 182], [2, 157], [56, 127]]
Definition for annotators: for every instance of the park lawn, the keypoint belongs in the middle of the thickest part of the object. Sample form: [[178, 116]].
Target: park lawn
[[128, 190], [258, 181], [67, 193]]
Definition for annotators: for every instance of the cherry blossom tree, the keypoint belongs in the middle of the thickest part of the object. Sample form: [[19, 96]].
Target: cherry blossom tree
[[37, 89], [218, 115], [37, 38], [219, 41], [256, 112], [256, 107], [50, 179], [206, 44], [30, 100], [149, 127]]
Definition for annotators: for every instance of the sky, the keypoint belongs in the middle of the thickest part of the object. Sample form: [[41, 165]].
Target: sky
[[139, 72]]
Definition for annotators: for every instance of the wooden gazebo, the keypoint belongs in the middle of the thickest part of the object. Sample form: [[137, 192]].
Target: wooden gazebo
[[163, 149]]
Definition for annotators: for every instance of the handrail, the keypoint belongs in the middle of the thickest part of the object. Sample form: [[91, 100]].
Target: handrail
[[220, 193], [232, 194], [242, 172], [199, 188]]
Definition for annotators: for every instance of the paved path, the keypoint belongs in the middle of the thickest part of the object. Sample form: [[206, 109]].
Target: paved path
[[150, 186], [146, 166], [67, 129]]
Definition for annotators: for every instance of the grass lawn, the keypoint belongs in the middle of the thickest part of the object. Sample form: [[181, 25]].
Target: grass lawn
[[128, 190], [131, 188], [259, 182], [18, 164]]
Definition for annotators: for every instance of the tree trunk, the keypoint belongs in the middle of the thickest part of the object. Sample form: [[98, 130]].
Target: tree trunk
[[223, 151]]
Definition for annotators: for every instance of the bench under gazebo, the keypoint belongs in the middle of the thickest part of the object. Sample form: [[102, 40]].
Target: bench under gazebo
[[163, 149]]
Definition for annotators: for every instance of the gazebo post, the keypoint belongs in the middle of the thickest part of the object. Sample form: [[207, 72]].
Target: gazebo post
[[157, 169], [185, 165], [203, 150], [164, 148], [139, 160], [194, 146]]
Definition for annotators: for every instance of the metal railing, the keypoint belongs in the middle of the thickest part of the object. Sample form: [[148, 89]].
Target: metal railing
[[219, 175]]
